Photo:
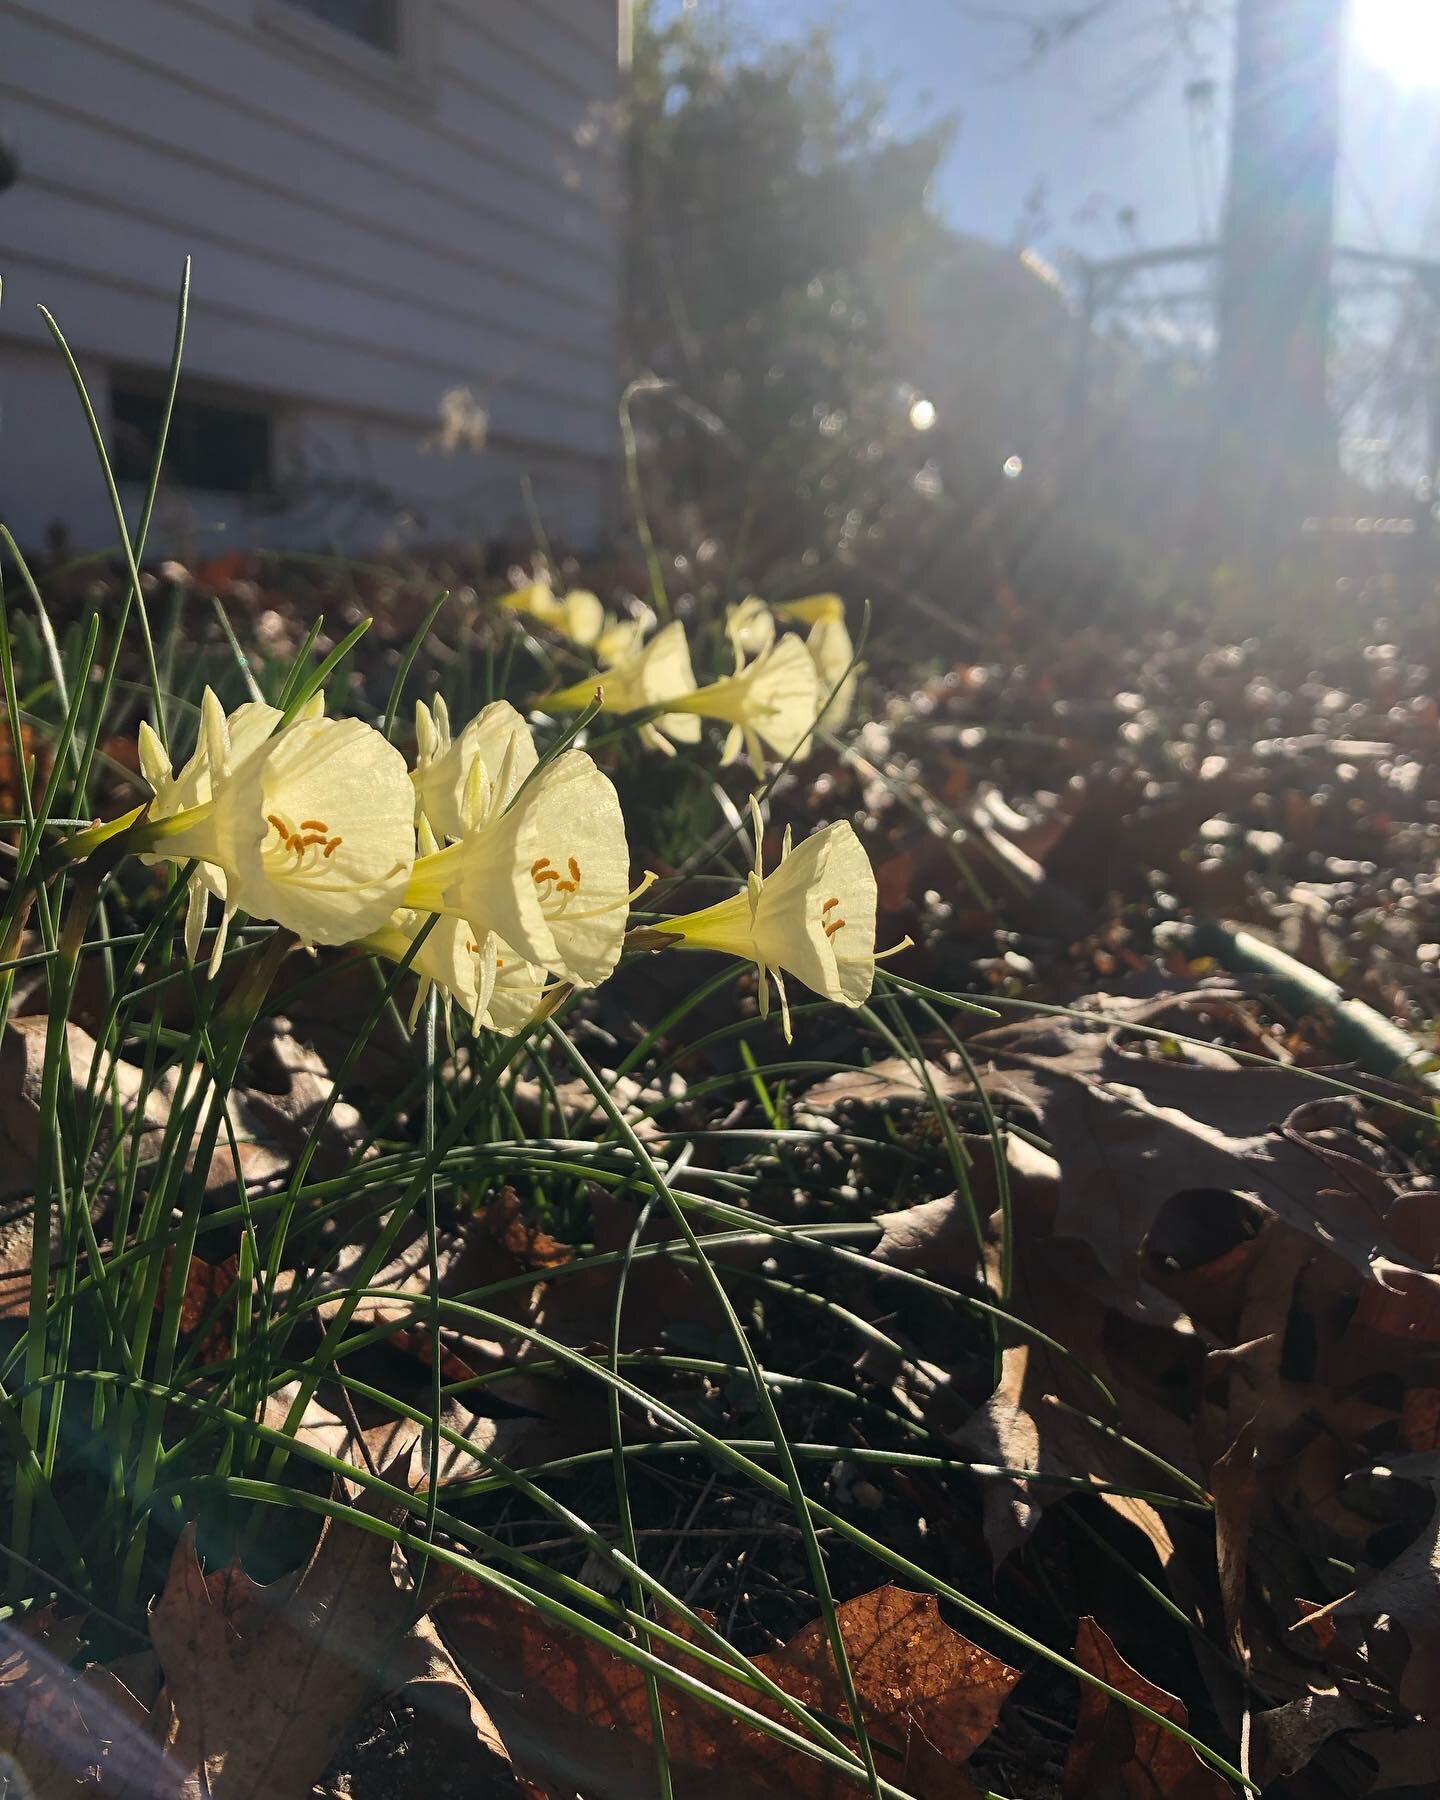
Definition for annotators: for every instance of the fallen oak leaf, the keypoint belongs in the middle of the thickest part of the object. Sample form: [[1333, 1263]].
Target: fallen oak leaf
[[23, 1123], [1130, 1131], [936, 1238], [890, 1082], [209, 1294], [516, 1416], [1287, 1737], [1403, 1755], [367, 1433], [424, 1672], [1402, 1602], [572, 1713], [62, 1730], [424, 1735], [260, 1682], [527, 1246], [1039, 1414], [1121, 1752]]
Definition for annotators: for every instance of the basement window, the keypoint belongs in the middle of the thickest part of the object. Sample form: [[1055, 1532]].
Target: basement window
[[218, 446], [374, 22]]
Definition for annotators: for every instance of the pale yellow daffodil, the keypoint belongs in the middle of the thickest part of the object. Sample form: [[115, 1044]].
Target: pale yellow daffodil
[[577, 615], [536, 600], [813, 918], [448, 958], [750, 627], [313, 827], [486, 979], [497, 738], [619, 640], [771, 701], [833, 655], [655, 675], [548, 875], [582, 617], [247, 727], [812, 609], [518, 993]]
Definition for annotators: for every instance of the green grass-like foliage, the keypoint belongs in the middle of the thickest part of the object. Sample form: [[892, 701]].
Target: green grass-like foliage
[[119, 1436]]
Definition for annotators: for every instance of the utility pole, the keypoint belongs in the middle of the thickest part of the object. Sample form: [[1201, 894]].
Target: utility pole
[[1274, 309]]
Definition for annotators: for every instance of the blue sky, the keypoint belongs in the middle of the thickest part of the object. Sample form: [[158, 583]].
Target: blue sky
[[1102, 125]]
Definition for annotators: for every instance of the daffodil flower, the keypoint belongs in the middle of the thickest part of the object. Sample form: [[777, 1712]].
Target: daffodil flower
[[750, 627], [312, 826], [582, 617], [813, 918], [619, 640], [577, 615], [536, 600], [833, 655], [246, 729], [772, 700], [812, 609], [497, 738], [448, 957], [519, 992], [548, 875], [653, 676]]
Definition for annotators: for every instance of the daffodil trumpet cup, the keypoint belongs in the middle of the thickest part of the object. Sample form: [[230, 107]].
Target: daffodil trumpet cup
[[813, 918]]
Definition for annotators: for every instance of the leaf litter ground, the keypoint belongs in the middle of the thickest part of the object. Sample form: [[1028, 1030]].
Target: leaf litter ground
[[1204, 1464]]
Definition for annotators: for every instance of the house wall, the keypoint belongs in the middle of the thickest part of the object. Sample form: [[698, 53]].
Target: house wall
[[370, 236]]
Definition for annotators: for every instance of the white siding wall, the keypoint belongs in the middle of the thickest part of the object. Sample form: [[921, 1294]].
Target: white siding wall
[[367, 237]]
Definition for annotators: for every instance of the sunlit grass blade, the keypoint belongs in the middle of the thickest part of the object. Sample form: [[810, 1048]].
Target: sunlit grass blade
[[407, 661]]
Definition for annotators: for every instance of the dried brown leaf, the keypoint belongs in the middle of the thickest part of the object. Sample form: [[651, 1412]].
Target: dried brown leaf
[[261, 1682], [67, 1732], [1130, 1131], [209, 1294], [1287, 1737], [1404, 1599], [570, 1713], [1120, 1752], [425, 1735]]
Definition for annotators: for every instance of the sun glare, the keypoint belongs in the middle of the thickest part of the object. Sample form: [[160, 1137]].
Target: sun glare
[[1401, 38]]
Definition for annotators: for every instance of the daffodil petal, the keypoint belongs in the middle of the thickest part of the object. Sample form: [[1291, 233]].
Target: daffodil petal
[[493, 735], [316, 830]]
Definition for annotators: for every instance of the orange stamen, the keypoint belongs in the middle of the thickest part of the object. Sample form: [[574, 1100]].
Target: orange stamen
[[566, 887], [826, 907], [314, 825], [834, 926], [333, 845], [574, 871], [540, 862], [279, 824]]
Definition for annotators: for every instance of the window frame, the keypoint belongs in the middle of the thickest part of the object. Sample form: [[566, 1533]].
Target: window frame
[[148, 385], [397, 17], [407, 72]]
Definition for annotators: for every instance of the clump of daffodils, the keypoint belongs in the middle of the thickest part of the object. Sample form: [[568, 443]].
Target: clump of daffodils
[[499, 875], [781, 690]]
